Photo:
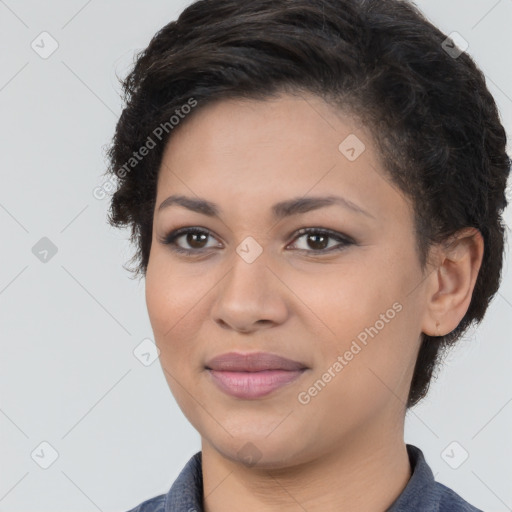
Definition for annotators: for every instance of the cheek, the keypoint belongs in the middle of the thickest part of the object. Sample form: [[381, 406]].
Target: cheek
[[173, 308], [371, 322], [173, 300], [344, 300]]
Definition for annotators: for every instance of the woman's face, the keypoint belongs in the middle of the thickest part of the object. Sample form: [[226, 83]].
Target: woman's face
[[348, 309]]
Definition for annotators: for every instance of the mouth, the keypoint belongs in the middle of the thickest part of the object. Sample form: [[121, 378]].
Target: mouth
[[253, 375]]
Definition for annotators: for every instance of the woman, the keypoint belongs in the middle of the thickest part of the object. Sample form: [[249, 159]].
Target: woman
[[315, 190]]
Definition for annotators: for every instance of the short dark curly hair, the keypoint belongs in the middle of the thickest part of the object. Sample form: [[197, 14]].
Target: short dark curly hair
[[426, 104]]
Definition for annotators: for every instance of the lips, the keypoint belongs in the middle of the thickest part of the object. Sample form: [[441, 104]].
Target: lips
[[253, 375], [252, 362]]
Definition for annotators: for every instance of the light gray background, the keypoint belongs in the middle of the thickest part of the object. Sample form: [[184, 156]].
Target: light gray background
[[68, 375]]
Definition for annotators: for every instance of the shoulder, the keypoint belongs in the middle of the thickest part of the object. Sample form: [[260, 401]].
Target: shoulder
[[184, 494], [156, 504], [450, 501], [424, 493]]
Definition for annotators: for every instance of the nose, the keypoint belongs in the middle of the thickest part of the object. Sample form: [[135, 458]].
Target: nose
[[250, 297]]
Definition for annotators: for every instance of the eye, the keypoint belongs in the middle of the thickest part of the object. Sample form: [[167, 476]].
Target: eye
[[194, 239], [318, 240]]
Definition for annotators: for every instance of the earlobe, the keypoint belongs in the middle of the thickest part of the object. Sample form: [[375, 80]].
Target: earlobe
[[451, 283]]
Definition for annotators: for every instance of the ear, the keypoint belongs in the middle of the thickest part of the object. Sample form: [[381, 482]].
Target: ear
[[451, 283]]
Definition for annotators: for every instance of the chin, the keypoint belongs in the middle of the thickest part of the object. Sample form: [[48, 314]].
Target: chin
[[262, 450]]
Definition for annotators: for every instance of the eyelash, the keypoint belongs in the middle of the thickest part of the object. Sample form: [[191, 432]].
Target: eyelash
[[171, 238]]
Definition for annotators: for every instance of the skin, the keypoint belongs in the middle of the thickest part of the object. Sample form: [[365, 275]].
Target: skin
[[344, 450]]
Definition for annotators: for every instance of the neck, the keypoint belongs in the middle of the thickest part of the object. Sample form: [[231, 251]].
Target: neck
[[368, 472]]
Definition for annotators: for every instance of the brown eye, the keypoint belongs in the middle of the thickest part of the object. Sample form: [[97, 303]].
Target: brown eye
[[318, 240], [196, 239], [192, 240]]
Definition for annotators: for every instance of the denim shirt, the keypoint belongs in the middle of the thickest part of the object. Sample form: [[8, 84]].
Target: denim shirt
[[421, 494]]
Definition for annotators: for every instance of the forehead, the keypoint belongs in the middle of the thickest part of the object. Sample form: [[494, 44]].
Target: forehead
[[253, 152]]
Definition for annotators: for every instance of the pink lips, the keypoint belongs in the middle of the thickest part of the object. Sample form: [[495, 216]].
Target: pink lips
[[252, 375]]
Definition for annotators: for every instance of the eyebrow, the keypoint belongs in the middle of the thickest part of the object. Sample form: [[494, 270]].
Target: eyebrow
[[280, 210]]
